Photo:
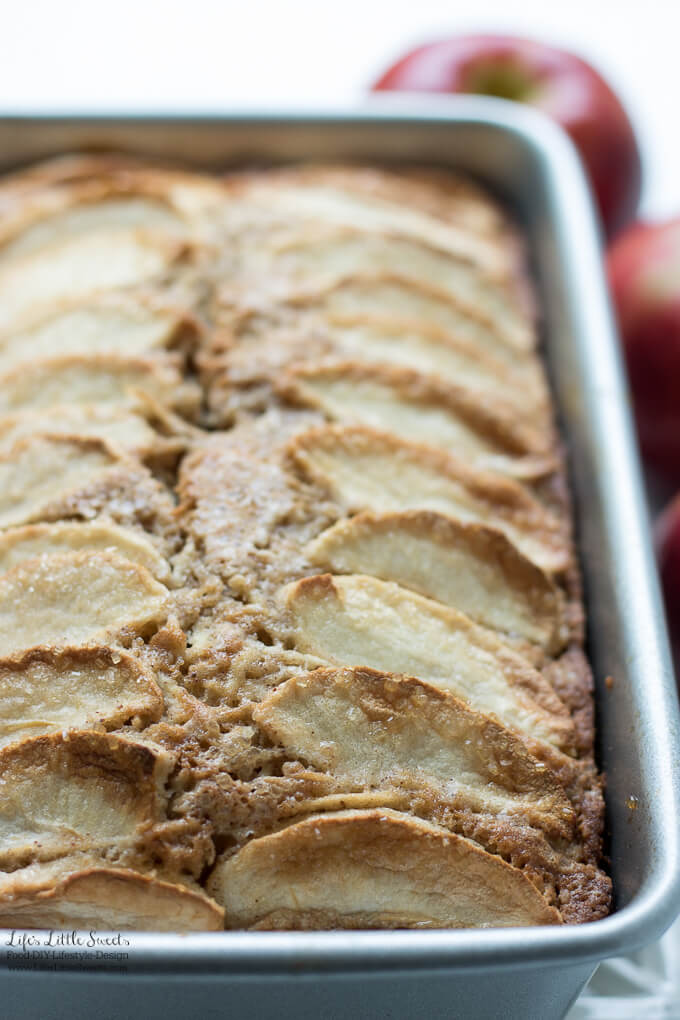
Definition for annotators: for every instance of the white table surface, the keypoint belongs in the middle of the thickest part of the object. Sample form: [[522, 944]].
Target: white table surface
[[205, 54]]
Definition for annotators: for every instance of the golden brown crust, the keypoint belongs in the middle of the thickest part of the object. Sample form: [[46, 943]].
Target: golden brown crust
[[572, 680]]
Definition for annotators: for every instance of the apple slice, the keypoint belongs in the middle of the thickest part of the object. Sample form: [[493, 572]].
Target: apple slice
[[94, 194], [403, 302], [384, 732], [312, 261], [81, 790], [449, 198], [356, 620], [44, 477], [100, 379], [110, 324], [47, 689], [326, 255], [261, 352], [85, 214], [38, 471], [270, 199], [119, 425], [369, 470], [469, 567], [415, 408], [77, 597], [75, 894], [432, 351], [372, 869], [78, 267], [19, 544]]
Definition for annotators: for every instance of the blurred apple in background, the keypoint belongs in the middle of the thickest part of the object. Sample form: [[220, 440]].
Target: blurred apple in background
[[558, 83], [668, 547], [644, 274]]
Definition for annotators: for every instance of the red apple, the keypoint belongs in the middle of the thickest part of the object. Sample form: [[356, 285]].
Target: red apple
[[668, 547], [644, 274], [559, 83]]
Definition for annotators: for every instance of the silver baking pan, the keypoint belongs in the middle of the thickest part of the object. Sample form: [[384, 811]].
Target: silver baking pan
[[535, 973]]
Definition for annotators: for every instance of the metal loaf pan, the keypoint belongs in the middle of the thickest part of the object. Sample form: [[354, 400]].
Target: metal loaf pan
[[532, 974]]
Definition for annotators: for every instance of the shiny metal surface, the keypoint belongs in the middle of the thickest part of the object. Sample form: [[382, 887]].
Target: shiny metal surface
[[527, 973]]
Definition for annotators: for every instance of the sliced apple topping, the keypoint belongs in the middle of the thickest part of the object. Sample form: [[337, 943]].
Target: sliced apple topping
[[469, 567], [356, 620], [19, 544], [77, 597], [369, 470], [55, 477], [77, 195], [429, 350], [372, 869], [112, 215], [411, 406], [455, 200], [39, 471], [63, 793], [380, 731], [395, 299], [262, 352], [75, 894], [78, 267], [92, 379], [113, 324], [271, 200], [71, 688], [317, 260], [121, 426], [332, 254]]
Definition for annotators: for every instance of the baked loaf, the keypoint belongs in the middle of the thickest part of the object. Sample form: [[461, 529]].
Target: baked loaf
[[291, 624]]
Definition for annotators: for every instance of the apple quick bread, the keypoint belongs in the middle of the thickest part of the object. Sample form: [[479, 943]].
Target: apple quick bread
[[292, 634]]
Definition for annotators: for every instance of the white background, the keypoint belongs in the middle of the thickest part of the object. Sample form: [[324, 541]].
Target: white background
[[183, 54]]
